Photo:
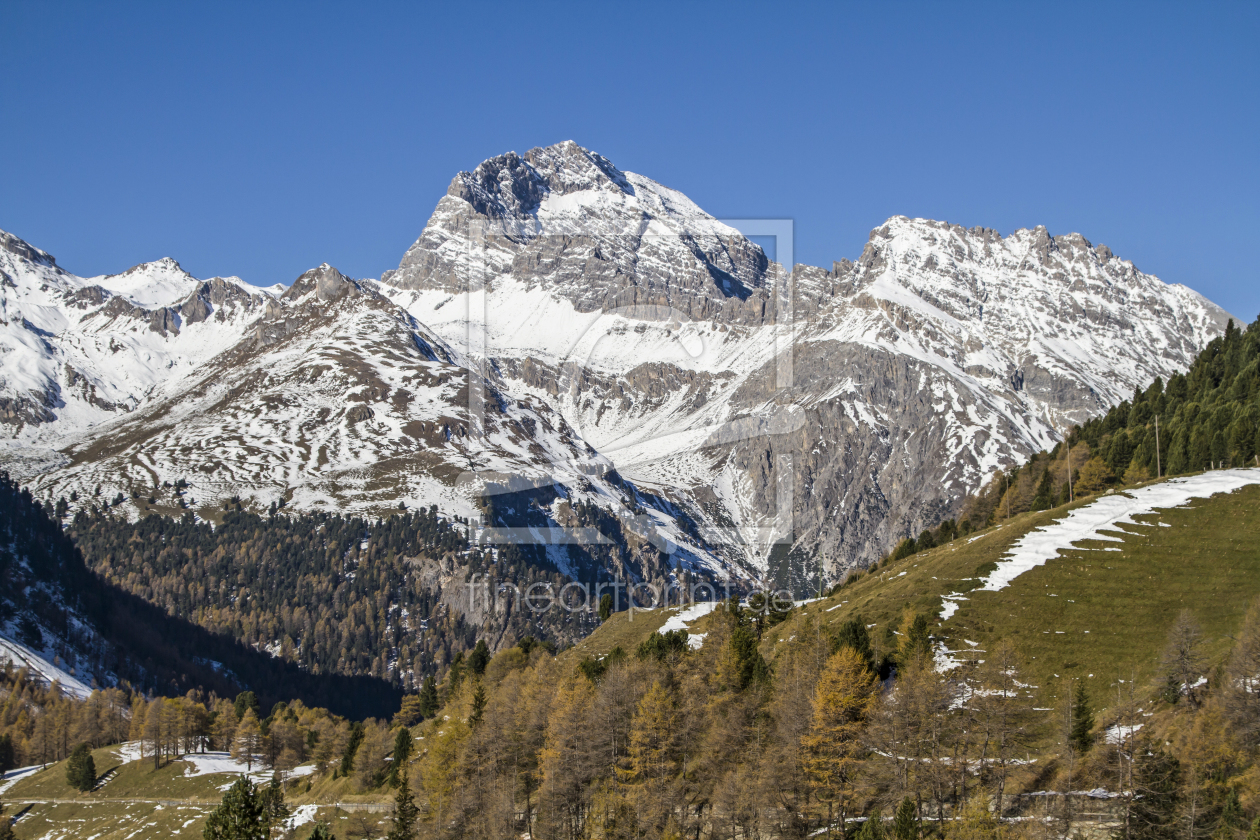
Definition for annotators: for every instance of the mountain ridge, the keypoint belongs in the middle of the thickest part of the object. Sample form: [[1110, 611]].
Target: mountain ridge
[[615, 326]]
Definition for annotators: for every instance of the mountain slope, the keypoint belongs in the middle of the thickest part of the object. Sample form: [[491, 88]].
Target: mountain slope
[[940, 355], [1059, 583], [61, 618], [629, 354]]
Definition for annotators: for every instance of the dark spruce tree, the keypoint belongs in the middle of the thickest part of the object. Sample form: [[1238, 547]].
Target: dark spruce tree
[[81, 769], [240, 816]]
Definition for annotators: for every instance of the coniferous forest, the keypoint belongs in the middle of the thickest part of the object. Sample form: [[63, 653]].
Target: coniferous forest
[[333, 594], [59, 605]]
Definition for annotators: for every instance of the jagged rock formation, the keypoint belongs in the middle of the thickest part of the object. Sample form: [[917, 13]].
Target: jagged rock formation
[[608, 322]]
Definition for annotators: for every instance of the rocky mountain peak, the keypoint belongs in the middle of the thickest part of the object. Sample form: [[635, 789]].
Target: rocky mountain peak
[[328, 283], [512, 186], [165, 265], [26, 251]]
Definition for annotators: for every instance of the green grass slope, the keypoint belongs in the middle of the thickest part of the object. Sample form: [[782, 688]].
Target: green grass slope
[[1094, 612]]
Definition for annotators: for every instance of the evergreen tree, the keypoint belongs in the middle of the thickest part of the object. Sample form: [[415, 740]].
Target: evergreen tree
[[1080, 736], [406, 814], [81, 769], [246, 700], [479, 658], [352, 746], [750, 665], [478, 704], [916, 646], [906, 821], [853, 634], [605, 606], [402, 752], [1254, 832], [8, 757], [239, 816], [272, 802], [6, 827], [1152, 813], [429, 698], [321, 832], [873, 828], [1044, 498]]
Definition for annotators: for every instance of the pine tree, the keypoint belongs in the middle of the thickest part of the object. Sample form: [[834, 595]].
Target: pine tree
[[272, 802], [873, 828], [321, 832], [429, 698], [81, 769], [1080, 736], [246, 700], [906, 821], [916, 646], [1044, 497], [479, 658], [1152, 812], [239, 816], [406, 814], [402, 752], [478, 704], [8, 756], [352, 747]]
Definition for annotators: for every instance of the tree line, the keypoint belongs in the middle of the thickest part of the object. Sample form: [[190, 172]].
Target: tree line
[[1207, 418]]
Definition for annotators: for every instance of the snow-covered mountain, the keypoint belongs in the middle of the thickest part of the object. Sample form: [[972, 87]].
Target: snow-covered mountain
[[609, 323]]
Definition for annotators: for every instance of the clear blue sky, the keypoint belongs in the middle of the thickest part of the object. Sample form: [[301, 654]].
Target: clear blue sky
[[263, 139]]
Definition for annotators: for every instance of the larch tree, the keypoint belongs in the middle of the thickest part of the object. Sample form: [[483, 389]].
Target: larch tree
[[1183, 662], [1241, 687], [247, 743], [1005, 715], [834, 749], [650, 767], [568, 765]]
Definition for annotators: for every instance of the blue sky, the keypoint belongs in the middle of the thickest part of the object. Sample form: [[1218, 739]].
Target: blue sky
[[263, 139]]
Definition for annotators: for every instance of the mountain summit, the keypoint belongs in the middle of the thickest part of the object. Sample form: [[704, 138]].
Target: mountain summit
[[628, 353]]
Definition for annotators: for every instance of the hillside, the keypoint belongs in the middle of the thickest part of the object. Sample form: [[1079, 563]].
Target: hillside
[[1099, 610], [71, 625], [592, 742]]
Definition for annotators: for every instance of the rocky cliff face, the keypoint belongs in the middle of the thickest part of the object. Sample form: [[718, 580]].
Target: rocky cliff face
[[941, 354], [637, 367]]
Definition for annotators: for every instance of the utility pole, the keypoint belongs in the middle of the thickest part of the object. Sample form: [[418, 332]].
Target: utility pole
[[1159, 472]]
